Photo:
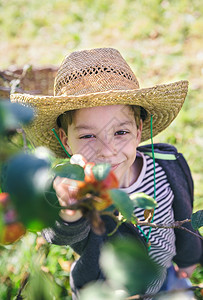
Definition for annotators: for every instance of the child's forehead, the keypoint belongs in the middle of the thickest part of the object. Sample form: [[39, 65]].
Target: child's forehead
[[111, 115], [108, 109]]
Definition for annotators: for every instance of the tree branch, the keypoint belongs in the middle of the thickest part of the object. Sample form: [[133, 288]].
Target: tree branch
[[120, 220], [186, 229], [176, 224]]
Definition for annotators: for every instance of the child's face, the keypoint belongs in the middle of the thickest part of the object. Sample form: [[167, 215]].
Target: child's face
[[106, 134]]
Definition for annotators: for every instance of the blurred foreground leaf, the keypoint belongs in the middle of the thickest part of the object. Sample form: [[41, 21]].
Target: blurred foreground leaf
[[70, 171], [142, 200], [7, 149], [13, 115], [101, 291], [122, 202], [101, 171], [127, 266], [28, 180], [197, 219], [40, 286], [45, 153]]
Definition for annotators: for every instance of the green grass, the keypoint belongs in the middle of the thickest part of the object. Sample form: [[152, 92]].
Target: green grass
[[161, 40]]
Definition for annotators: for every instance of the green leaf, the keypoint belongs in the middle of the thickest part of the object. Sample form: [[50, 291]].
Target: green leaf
[[40, 286], [142, 200], [197, 219], [1, 220], [71, 171], [101, 171], [23, 114], [13, 115], [122, 202], [28, 180], [127, 265]]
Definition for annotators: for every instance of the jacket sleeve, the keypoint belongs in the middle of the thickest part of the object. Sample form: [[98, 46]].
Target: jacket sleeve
[[188, 247], [74, 234], [79, 234]]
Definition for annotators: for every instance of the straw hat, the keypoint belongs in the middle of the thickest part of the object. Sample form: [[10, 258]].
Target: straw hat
[[99, 77]]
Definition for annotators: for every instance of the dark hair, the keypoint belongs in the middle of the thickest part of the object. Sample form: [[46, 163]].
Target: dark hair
[[66, 118], [143, 113]]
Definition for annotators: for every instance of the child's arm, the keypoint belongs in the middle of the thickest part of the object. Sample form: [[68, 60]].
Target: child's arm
[[71, 229]]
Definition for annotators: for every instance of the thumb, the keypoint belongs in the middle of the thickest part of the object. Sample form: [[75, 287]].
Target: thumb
[[78, 159]]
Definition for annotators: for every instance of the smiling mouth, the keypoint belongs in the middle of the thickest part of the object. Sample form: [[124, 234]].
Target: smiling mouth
[[114, 167]]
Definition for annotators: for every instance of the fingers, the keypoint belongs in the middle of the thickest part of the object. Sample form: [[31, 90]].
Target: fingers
[[185, 272], [182, 274], [66, 190]]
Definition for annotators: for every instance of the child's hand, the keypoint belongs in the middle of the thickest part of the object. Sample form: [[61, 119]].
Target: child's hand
[[66, 191], [185, 272]]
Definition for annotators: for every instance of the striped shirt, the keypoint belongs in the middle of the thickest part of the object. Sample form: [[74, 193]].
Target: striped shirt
[[162, 240]]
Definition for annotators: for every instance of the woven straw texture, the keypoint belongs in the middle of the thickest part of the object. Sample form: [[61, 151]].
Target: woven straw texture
[[99, 77]]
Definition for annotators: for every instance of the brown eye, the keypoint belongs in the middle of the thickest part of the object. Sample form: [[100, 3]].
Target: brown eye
[[87, 136], [121, 132]]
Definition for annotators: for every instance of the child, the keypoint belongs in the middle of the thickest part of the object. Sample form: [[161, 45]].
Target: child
[[100, 112]]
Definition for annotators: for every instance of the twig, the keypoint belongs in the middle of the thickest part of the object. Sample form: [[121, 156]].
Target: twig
[[8, 73], [176, 224], [23, 284], [26, 69], [14, 75], [8, 89], [192, 288], [25, 147], [116, 220], [186, 229], [110, 214], [3, 77], [15, 81]]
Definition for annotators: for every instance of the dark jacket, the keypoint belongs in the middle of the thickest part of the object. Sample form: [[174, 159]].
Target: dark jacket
[[189, 248], [87, 244]]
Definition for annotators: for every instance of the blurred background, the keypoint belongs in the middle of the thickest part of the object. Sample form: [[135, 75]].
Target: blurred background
[[161, 40]]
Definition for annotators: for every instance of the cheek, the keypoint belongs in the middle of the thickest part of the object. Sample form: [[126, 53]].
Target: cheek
[[130, 155], [86, 149], [129, 146]]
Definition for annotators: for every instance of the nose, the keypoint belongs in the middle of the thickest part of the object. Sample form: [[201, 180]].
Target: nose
[[105, 148]]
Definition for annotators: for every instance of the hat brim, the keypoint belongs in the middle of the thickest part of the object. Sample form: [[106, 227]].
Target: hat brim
[[162, 101]]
